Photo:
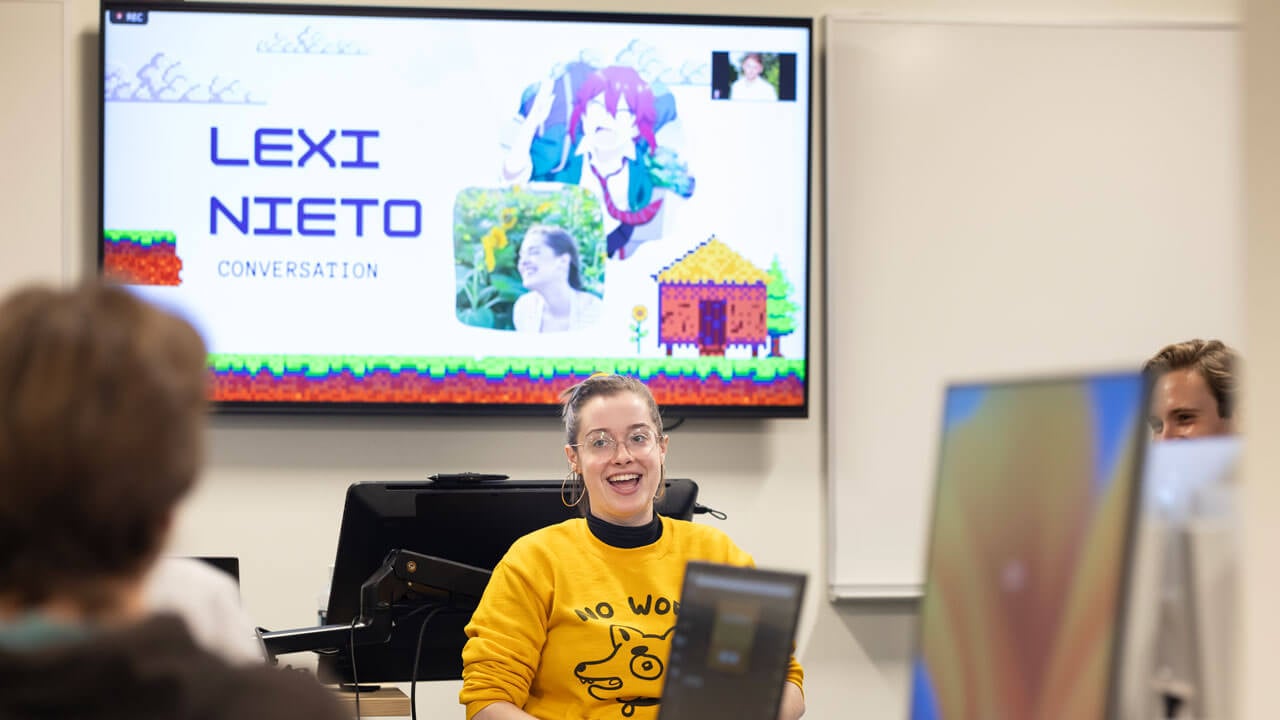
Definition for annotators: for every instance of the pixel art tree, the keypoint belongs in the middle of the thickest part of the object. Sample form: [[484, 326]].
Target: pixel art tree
[[780, 310]]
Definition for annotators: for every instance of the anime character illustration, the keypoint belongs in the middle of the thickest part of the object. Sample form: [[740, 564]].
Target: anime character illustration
[[599, 128]]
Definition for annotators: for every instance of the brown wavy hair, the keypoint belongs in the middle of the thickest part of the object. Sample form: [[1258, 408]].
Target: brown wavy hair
[[102, 416]]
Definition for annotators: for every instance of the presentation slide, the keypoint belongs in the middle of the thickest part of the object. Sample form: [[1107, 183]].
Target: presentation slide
[[475, 210]]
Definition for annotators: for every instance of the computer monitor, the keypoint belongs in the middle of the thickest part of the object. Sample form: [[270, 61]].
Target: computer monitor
[[732, 643], [1179, 633], [1036, 485], [227, 564], [469, 523]]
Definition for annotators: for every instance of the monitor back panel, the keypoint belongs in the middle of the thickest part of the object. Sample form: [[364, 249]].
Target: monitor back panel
[[1178, 625], [473, 524]]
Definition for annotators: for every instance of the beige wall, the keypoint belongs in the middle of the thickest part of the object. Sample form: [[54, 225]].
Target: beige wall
[[273, 490], [31, 141], [1259, 623]]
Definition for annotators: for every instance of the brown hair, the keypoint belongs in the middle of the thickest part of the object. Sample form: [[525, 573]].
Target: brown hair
[[1216, 362], [573, 398], [102, 401]]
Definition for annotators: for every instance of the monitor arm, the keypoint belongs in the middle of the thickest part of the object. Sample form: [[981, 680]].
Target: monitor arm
[[405, 578]]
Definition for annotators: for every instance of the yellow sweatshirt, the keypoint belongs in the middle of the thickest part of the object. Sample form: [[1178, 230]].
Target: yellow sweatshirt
[[571, 627]]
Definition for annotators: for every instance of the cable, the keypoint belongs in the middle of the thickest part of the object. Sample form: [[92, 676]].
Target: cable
[[673, 426], [417, 655], [700, 509], [355, 679]]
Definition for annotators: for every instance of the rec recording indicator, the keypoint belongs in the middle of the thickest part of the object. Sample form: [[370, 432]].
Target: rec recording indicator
[[128, 17]]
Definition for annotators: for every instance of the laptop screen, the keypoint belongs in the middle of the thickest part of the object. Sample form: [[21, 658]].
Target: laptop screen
[[1027, 555], [732, 643]]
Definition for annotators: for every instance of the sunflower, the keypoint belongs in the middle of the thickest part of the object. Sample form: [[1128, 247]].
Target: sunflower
[[494, 240], [639, 313]]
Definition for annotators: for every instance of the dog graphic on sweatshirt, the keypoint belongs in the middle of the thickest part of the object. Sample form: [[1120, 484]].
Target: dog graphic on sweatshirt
[[631, 674]]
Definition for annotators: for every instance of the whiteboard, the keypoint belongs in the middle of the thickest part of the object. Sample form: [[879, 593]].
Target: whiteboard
[[1005, 200]]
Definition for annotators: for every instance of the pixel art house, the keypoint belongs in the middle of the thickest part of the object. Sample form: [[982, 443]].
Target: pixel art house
[[713, 298]]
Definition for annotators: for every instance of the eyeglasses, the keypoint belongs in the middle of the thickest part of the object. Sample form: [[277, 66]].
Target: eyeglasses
[[602, 445]]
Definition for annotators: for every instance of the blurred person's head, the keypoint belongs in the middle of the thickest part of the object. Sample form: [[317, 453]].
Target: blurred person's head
[[752, 65], [1194, 390], [102, 411]]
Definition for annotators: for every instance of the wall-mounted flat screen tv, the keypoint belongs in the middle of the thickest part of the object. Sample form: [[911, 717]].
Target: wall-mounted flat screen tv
[[444, 211]]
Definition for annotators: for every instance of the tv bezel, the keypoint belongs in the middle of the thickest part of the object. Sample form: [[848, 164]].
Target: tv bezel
[[495, 409]]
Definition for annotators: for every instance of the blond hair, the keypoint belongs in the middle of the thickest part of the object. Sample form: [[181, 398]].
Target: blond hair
[[1214, 360]]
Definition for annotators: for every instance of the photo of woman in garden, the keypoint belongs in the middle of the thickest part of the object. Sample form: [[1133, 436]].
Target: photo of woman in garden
[[550, 270]]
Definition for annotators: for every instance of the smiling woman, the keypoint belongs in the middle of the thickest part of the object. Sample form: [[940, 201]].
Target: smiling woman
[[616, 452], [577, 619], [549, 269]]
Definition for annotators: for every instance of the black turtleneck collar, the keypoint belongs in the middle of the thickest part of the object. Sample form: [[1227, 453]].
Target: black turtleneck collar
[[621, 536]]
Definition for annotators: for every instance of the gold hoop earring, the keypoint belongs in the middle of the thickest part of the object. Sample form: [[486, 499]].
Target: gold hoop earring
[[566, 493]]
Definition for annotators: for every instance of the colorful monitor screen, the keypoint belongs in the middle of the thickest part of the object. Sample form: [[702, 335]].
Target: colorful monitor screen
[[1028, 551], [458, 210]]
